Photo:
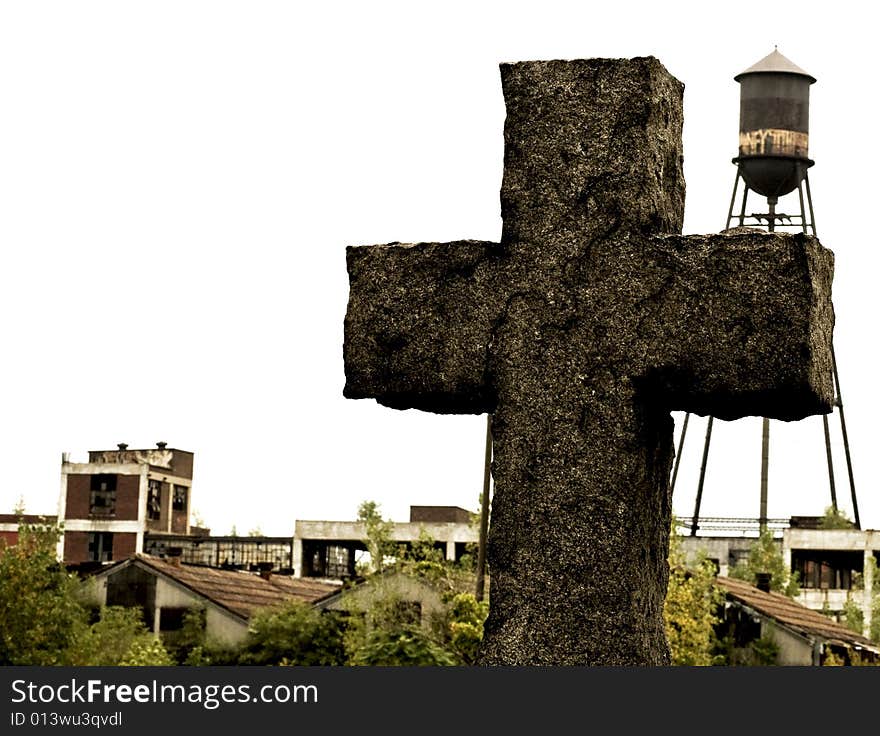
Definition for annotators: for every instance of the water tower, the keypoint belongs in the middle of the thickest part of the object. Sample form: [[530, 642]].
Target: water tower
[[772, 162], [774, 128]]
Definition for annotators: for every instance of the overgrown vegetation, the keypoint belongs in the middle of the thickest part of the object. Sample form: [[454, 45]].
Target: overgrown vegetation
[[854, 616], [835, 519], [765, 556], [46, 621], [411, 607], [293, 634], [691, 609], [417, 608]]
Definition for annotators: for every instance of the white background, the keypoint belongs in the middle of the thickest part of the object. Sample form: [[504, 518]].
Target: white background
[[179, 181]]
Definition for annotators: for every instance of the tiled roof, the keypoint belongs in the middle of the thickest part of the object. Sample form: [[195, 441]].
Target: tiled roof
[[243, 593], [792, 614]]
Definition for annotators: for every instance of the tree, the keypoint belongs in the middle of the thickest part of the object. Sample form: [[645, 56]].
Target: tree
[[765, 556], [45, 621], [852, 609], [118, 637], [384, 628], [198, 520], [146, 652], [293, 634], [378, 535], [404, 648], [388, 630], [40, 614], [189, 645], [835, 519], [467, 617], [690, 611]]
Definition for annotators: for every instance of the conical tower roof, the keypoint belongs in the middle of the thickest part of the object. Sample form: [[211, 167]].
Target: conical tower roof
[[776, 63]]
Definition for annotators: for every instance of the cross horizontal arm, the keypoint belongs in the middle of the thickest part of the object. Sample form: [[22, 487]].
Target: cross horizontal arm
[[732, 325], [419, 325]]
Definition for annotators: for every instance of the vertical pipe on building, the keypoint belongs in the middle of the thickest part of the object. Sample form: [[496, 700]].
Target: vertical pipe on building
[[62, 505], [296, 555], [450, 550], [143, 491]]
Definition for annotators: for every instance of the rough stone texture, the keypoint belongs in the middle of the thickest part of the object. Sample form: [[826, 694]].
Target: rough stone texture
[[580, 332]]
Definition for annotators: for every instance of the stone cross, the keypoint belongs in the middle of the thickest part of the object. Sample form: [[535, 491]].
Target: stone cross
[[580, 332]]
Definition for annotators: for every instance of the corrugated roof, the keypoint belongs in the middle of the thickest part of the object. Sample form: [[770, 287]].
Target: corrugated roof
[[792, 614], [775, 62], [243, 593]]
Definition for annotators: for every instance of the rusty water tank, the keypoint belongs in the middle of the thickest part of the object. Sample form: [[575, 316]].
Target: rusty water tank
[[774, 116]]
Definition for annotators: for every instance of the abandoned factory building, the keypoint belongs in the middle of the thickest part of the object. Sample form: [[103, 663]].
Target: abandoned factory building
[[828, 563], [110, 503], [165, 589]]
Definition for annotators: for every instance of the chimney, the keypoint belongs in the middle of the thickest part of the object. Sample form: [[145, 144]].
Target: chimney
[[161, 445], [763, 581], [173, 555], [122, 446]]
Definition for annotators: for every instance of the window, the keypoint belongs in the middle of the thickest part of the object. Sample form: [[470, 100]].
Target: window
[[179, 502], [171, 619], [102, 495], [826, 569], [154, 500], [100, 546]]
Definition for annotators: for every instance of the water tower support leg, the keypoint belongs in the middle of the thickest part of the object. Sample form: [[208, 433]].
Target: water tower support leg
[[684, 429], [852, 483], [696, 518], [732, 200], [810, 203], [803, 212], [765, 458], [830, 463], [742, 212]]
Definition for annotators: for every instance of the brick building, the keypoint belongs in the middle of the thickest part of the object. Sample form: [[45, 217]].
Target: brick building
[[108, 504], [9, 524]]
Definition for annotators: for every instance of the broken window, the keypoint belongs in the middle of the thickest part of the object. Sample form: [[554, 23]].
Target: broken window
[[826, 569], [171, 619], [100, 546], [102, 495], [154, 500], [179, 502]]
